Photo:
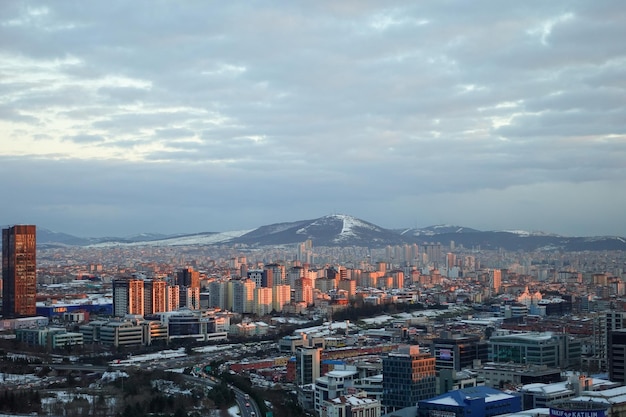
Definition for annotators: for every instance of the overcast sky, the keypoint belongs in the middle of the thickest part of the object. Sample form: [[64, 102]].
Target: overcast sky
[[121, 117]]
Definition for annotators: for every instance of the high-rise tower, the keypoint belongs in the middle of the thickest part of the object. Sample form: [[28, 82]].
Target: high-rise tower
[[19, 271], [187, 277]]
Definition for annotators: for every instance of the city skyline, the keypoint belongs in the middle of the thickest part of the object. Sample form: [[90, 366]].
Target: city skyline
[[122, 118]]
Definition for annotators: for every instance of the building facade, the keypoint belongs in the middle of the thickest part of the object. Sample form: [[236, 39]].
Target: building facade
[[307, 365], [545, 348], [19, 271], [457, 352], [408, 377], [617, 356], [351, 406]]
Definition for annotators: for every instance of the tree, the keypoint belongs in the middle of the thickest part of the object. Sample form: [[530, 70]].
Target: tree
[[488, 332], [180, 412]]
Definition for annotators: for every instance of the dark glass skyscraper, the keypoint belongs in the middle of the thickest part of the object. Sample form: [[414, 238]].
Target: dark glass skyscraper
[[19, 271]]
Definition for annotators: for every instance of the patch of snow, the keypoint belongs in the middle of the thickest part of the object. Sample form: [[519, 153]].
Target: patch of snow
[[349, 223], [277, 228], [17, 379], [112, 376], [163, 354], [518, 232], [199, 239], [169, 387], [234, 411], [378, 319], [214, 348]]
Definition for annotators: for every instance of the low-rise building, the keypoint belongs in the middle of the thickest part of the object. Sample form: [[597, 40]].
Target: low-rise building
[[545, 348], [51, 338], [334, 384], [497, 375], [351, 406], [122, 333], [469, 402]]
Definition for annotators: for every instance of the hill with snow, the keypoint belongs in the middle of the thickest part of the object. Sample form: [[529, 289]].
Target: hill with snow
[[345, 230]]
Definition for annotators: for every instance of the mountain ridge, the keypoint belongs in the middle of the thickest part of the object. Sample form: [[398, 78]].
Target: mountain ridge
[[346, 230]]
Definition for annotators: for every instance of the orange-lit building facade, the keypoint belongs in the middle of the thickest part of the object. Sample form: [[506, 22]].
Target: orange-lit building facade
[[156, 291], [19, 271]]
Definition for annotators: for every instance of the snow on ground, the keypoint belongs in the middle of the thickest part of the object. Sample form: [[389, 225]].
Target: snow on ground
[[378, 319], [196, 239], [51, 400], [20, 356], [420, 313], [112, 376], [234, 411], [15, 379], [289, 320], [215, 348], [324, 328], [169, 387], [163, 354]]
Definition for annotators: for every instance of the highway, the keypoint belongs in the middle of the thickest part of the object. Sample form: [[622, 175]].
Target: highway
[[247, 406]]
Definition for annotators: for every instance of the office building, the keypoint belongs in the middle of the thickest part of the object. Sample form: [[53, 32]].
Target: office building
[[608, 323], [496, 375], [538, 395], [457, 352], [307, 365], [187, 277], [19, 271], [617, 356], [51, 338], [408, 377], [122, 333], [545, 348], [334, 384]]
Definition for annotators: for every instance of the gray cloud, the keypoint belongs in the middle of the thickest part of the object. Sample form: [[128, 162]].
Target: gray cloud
[[93, 139], [372, 109]]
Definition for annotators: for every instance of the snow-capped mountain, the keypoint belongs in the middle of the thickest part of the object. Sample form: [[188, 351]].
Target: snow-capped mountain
[[208, 238], [437, 230], [331, 230], [345, 230]]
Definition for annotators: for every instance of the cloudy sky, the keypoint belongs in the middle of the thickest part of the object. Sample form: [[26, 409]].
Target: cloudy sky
[[121, 117]]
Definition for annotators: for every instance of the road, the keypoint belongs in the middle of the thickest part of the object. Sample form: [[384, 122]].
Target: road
[[247, 406]]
